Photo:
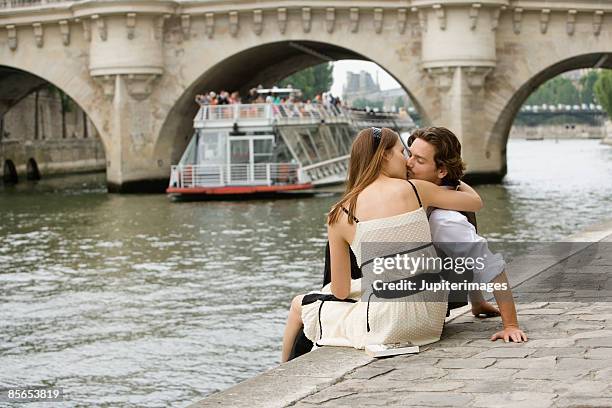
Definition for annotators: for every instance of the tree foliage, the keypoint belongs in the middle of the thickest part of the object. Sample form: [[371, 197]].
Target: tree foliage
[[557, 90], [603, 91], [561, 90], [311, 81], [362, 103], [587, 82], [68, 105]]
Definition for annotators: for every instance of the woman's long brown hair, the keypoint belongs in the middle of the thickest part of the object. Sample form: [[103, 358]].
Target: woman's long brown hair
[[365, 165]]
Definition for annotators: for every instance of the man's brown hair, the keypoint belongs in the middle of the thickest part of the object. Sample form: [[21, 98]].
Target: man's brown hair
[[448, 151]]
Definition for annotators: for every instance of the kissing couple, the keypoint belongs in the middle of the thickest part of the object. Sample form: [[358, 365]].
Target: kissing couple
[[401, 198]]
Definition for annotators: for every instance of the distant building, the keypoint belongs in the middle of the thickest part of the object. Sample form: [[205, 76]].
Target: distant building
[[360, 83], [361, 86]]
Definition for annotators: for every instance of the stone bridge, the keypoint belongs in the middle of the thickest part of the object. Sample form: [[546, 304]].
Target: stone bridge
[[135, 65]]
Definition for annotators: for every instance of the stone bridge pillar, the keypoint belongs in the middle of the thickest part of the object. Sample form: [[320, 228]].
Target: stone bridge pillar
[[458, 53], [126, 60]]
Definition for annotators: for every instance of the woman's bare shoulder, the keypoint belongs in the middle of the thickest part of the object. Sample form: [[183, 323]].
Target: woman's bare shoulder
[[393, 191], [402, 187], [388, 189]]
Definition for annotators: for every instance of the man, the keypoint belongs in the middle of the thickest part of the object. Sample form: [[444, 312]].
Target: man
[[435, 156]]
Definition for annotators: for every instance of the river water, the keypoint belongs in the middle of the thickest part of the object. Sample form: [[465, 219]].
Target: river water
[[139, 301]]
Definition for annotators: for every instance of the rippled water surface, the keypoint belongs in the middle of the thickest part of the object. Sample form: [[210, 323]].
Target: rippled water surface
[[139, 301]]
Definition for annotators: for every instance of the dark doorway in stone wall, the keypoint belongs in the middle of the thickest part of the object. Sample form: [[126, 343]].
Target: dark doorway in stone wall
[[10, 172], [32, 170]]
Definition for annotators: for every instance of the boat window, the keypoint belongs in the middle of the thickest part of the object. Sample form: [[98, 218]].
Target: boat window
[[239, 151], [263, 146], [212, 147], [262, 150], [282, 153]]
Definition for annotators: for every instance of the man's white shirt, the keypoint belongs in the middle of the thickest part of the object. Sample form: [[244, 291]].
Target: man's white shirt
[[454, 235]]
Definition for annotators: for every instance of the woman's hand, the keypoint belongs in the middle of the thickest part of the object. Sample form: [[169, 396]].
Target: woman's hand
[[510, 333]]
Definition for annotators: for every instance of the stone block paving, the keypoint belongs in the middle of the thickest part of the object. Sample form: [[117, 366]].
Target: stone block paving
[[567, 313]]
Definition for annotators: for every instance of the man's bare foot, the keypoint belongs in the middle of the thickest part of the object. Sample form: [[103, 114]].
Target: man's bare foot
[[484, 309]]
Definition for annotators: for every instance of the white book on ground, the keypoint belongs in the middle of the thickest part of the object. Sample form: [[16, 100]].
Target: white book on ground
[[386, 350]]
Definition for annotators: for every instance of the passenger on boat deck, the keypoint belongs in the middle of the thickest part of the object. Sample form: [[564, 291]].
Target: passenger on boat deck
[[235, 98], [226, 98], [206, 99], [252, 96], [223, 98]]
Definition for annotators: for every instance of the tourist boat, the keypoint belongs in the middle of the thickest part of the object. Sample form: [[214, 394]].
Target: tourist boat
[[271, 149]]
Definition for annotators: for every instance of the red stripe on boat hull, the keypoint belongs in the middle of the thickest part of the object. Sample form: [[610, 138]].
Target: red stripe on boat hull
[[233, 190]]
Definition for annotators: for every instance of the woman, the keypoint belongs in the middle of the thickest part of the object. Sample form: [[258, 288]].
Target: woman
[[377, 206]]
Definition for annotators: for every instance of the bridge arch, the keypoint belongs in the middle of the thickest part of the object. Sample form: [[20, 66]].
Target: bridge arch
[[519, 72], [18, 80], [16, 84], [248, 67], [501, 128], [9, 175], [32, 172]]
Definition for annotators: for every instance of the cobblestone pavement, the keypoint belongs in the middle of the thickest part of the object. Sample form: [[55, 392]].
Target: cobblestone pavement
[[567, 313], [564, 300]]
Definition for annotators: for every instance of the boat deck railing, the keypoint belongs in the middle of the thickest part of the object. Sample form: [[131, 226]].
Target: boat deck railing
[[206, 175], [268, 114]]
